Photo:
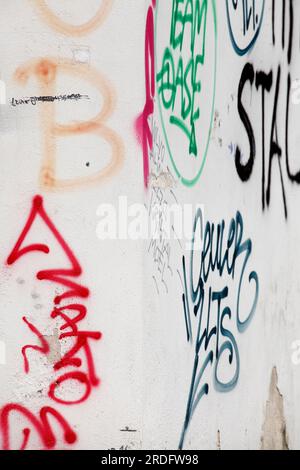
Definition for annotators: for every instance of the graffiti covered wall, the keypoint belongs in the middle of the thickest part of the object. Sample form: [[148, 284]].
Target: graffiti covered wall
[[150, 182], [222, 330], [72, 321]]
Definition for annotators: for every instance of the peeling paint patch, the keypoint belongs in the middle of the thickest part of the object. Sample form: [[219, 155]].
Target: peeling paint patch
[[54, 354], [81, 55], [164, 180], [274, 433]]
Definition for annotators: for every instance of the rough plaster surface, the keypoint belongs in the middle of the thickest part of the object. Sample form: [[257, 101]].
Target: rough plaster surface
[[274, 432]]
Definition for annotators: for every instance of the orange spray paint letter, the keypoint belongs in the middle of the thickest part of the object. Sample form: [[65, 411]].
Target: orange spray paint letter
[[45, 71]]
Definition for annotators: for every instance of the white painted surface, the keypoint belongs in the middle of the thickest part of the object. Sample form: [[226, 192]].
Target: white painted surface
[[143, 360]]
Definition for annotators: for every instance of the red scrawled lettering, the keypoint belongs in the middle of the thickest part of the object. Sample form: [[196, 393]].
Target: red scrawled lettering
[[71, 315], [43, 349], [54, 275], [40, 424], [80, 377]]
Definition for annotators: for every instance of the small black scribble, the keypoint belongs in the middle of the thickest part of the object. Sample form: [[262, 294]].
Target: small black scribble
[[47, 99], [127, 429], [87, 164]]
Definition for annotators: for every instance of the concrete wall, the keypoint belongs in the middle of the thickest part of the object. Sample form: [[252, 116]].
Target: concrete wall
[[120, 339]]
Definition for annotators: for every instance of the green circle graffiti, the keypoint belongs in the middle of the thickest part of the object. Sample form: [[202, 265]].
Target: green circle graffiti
[[189, 182]]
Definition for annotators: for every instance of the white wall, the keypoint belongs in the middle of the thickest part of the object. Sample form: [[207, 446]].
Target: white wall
[[144, 360]]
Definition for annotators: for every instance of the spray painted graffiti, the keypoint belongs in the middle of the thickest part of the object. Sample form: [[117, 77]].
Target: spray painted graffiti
[[46, 70], [45, 99], [68, 29], [186, 98], [245, 19], [79, 352], [273, 85], [41, 425], [142, 124], [210, 320]]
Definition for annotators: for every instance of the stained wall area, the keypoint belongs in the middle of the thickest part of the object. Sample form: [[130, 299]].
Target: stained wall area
[[119, 116]]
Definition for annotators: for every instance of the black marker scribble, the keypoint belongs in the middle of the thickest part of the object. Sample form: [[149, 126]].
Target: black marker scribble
[[48, 99]]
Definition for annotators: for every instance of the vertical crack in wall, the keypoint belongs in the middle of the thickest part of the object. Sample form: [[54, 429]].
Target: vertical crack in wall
[[218, 440], [274, 434]]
